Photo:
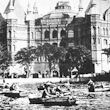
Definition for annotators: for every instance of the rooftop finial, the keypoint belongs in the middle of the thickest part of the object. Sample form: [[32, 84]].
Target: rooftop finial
[[11, 6], [29, 8], [80, 5]]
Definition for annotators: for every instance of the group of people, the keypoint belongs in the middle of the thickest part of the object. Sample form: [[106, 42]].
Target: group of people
[[11, 87], [52, 90]]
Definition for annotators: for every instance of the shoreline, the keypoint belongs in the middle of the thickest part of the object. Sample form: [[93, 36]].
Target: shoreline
[[33, 80]]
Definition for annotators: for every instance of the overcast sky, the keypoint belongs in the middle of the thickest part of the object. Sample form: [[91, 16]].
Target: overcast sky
[[44, 6]]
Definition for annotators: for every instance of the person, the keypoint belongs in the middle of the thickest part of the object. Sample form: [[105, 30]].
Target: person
[[14, 86], [48, 92], [91, 87]]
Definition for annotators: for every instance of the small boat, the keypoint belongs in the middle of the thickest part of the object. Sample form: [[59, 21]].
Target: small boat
[[14, 94], [61, 101], [102, 89]]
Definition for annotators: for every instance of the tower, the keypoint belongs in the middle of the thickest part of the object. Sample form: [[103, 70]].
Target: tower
[[11, 20], [35, 11], [30, 22], [80, 12], [80, 5]]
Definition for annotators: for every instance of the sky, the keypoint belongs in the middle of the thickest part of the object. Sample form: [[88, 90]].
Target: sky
[[44, 6]]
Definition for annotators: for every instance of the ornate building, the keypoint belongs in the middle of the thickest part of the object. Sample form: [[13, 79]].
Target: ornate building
[[51, 28], [89, 27], [92, 29], [17, 27]]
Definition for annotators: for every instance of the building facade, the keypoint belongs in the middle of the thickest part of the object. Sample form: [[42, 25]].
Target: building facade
[[92, 29], [89, 27]]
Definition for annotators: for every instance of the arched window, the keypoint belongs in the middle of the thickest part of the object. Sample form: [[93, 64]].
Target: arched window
[[55, 34], [103, 31], [14, 47], [47, 34], [106, 31], [70, 34], [98, 30], [105, 42], [14, 33], [63, 33], [94, 30], [9, 47], [32, 35], [98, 40], [94, 40], [9, 34]]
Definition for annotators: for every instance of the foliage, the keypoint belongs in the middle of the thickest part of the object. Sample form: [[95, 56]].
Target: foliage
[[25, 57], [51, 53], [76, 57], [5, 57]]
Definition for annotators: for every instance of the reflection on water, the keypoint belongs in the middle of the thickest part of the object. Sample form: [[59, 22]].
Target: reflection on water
[[85, 101]]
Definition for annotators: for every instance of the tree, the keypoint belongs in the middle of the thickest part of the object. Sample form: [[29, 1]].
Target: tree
[[25, 57], [5, 58], [78, 57], [47, 50], [51, 53]]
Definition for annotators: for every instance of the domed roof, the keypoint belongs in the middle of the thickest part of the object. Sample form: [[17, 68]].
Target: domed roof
[[62, 10]]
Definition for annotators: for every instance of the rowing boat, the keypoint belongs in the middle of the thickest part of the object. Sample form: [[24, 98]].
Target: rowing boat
[[61, 101], [14, 93]]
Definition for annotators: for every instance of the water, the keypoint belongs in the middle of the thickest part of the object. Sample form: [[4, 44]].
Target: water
[[94, 101]]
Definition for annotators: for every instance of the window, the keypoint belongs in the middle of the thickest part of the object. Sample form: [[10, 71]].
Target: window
[[9, 47], [105, 42], [47, 34], [32, 35], [14, 47], [103, 31], [63, 33], [9, 34], [98, 30], [70, 34], [55, 44], [94, 30], [106, 31], [98, 40], [55, 34], [14, 33], [94, 40]]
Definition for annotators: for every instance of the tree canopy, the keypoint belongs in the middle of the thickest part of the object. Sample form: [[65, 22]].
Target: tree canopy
[[79, 57], [5, 57], [26, 55]]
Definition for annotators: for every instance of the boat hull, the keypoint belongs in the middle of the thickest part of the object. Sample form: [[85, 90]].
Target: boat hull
[[61, 101], [12, 94], [102, 89]]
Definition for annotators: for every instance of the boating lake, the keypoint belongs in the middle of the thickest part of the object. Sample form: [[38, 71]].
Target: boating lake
[[85, 101]]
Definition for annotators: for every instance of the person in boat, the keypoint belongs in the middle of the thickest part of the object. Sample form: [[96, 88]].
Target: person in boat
[[91, 87], [48, 92], [100, 86], [14, 86]]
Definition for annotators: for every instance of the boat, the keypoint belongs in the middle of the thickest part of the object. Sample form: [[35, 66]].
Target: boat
[[61, 101], [102, 89], [14, 93]]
